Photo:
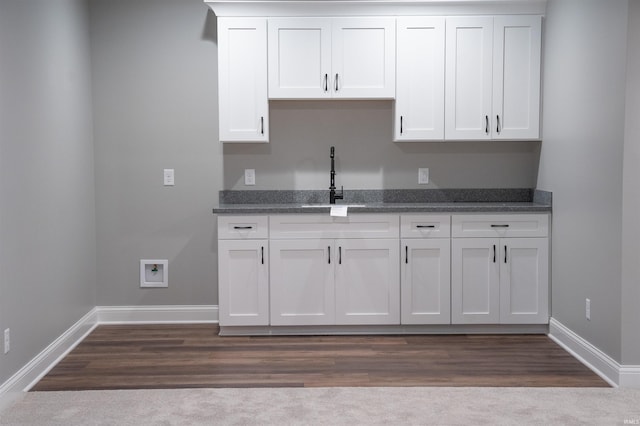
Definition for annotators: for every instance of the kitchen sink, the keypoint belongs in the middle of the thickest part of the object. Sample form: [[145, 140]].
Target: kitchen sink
[[331, 205]]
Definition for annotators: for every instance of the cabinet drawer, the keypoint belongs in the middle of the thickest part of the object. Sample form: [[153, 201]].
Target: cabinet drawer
[[500, 225], [242, 227], [425, 226], [325, 226]]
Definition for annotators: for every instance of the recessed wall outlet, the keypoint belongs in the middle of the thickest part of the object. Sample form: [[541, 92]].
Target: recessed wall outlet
[[587, 309], [153, 273], [249, 176], [169, 177], [423, 176], [7, 340]]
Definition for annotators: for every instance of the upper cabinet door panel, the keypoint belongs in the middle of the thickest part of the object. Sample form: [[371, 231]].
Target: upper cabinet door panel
[[469, 45], [419, 110], [363, 58], [516, 74], [242, 74], [299, 58]]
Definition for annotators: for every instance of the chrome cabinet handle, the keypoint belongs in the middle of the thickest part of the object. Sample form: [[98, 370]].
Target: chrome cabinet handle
[[505, 254], [329, 255], [326, 83], [336, 82], [486, 126], [406, 254], [262, 125], [401, 124], [262, 254], [494, 253], [339, 255], [498, 125]]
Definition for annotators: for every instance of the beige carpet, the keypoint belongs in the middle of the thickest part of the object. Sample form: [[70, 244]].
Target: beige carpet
[[329, 406]]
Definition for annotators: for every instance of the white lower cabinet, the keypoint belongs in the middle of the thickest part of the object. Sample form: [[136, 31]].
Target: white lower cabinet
[[243, 270], [243, 283], [524, 281], [302, 282], [378, 269], [367, 281], [334, 282], [425, 277], [475, 281], [425, 282], [500, 280]]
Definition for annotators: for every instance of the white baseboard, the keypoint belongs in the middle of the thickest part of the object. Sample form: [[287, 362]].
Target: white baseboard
[[31, 373], [601, 364], [157, 314], [630, 376]]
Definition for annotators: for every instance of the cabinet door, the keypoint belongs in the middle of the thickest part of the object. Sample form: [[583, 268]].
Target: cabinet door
[[419, 108], [243, 286], [469, 45], [475, 285], [524, 281], [425, 281], [516, 77], [367, 281], [242, 80], [302, 282], [299, 58], [363, 58]]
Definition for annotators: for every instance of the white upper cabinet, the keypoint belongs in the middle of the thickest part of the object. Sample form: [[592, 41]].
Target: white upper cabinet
[[316, 58], [468, 78], [419, 108], [516, 77], [242, 80], [493, 78], [299, 57]]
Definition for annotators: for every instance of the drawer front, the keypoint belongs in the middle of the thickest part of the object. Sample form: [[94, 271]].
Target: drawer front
[[425, 226], [325, 226], [500, 225], [242, 227]]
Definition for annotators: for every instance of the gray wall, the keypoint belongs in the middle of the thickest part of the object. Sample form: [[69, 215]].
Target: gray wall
[[581, 162], [155, 107], [297, 156], [631, 204], [47, 213]]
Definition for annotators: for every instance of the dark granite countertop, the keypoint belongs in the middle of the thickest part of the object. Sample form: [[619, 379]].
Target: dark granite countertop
[[388, 201]]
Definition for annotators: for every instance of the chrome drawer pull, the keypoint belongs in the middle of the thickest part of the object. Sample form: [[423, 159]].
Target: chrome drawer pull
[[499, 226], [425, 226], [243, 227]]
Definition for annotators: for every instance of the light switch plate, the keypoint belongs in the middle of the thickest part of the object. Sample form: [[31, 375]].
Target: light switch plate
[[249, 176], [169, 177], [423, 176]]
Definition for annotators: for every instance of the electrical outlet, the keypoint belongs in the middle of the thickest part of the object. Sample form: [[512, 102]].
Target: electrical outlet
[[249, 176], [423, 176], [7, 340], [587, 309]]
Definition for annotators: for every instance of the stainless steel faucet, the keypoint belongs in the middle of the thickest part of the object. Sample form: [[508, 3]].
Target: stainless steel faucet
[[332, 187]]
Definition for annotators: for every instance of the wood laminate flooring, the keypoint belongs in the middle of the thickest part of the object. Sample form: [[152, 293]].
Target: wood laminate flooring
[[193, 356]]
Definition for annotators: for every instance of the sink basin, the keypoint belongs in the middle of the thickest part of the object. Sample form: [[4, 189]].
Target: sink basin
[[331, 205]]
